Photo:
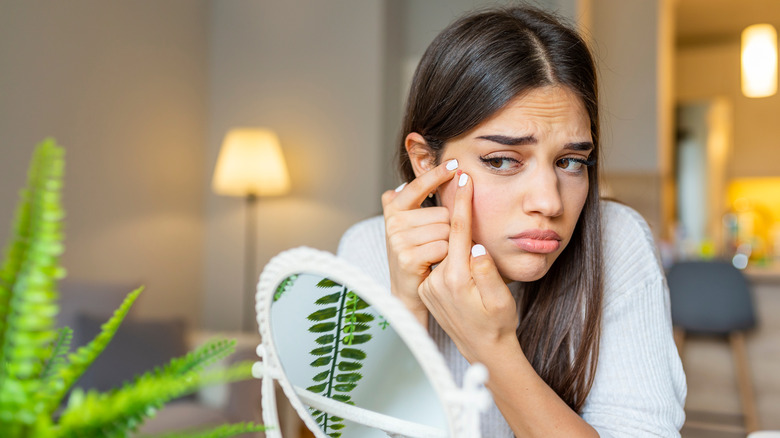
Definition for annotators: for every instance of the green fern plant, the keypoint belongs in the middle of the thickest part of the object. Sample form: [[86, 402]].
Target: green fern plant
[[341, 326], [37, 369]]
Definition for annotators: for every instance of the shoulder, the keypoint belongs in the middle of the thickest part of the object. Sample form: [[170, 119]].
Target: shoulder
[[630, 255], [363, 233], [363, 245]]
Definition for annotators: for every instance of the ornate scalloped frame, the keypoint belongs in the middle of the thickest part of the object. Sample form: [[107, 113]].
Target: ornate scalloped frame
[[308, 260]]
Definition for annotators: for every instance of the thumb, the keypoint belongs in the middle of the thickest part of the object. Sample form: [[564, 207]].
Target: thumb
[[494, 292]]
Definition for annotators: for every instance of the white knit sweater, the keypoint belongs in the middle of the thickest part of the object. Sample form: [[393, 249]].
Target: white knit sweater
[[639, 388]]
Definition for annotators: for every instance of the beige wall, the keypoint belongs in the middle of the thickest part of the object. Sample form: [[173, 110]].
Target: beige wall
[[708, 72], [631, 42], [122, 86], [312, 71]]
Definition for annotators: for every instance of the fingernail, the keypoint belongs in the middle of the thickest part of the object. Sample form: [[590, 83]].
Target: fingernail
[[452, 164], [401, 187], [478, 250], [462, 180]]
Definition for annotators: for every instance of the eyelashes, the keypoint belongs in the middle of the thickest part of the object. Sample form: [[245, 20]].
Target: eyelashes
[[505, 165], [499, 163]]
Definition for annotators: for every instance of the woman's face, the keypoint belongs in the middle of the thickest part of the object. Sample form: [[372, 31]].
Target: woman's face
[[528, 164]]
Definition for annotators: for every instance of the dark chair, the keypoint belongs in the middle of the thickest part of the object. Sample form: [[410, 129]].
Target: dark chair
[[713, 298]]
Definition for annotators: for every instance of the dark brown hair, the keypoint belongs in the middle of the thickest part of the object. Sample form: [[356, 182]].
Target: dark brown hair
[[469, 72]]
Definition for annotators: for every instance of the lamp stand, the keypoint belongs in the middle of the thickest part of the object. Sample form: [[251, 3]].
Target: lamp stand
[[248, 323]]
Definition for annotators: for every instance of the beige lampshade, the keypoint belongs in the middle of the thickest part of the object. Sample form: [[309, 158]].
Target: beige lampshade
[[759, 60], [251, 163]]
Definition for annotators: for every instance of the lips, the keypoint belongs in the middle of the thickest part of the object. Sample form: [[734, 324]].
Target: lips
[[537, 241]]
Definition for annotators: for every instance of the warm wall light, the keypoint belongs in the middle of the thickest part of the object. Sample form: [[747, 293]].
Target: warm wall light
[[759, 60], [251, 163]]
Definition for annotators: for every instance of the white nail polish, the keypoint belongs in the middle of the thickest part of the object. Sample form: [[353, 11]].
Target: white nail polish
[[478, 250], [452, 164], [462, 180], [401, 187]]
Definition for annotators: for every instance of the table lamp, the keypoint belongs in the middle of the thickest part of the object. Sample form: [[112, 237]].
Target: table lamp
[[250, 164]]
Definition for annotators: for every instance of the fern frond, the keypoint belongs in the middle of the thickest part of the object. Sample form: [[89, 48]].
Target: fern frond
[[81, 359], [120, 412], [208, 353], [28, 296], [60, 348], [284, 286], [223, 431]]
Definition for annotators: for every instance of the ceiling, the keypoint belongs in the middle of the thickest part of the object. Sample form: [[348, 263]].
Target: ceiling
[[721, 21]]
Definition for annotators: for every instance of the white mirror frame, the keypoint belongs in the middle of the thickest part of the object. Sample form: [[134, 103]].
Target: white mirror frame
[[462, 406]]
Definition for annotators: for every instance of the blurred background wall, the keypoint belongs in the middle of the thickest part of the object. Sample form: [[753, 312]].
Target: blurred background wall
[[123, 86]]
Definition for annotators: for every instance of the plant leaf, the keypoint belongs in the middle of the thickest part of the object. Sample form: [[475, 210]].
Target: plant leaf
[[321, 376], [28, 294], [119, 412], [284, 286], [353, 353], [344, 387], [349, 378], [84, 356], [318, 388], [321, 361], [329, 299], [349, 366], [326, 283], [322, 327], [359, 339], [322, 351], [323, 314], [359, 327], [223, 431], [325, 339], [344, 398], [363, 317]]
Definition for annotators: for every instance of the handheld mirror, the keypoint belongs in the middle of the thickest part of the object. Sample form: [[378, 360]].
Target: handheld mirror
[[351, 359]]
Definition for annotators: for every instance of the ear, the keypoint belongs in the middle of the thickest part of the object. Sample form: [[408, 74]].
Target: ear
[[421, 156]]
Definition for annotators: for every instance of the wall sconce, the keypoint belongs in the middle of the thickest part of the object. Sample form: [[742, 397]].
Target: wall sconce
[[250, 164], [759, 60]]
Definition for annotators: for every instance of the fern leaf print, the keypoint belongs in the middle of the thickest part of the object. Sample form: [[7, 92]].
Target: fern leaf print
[[341, 321]]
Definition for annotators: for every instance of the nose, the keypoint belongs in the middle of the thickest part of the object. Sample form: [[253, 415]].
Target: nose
[[543, 194]]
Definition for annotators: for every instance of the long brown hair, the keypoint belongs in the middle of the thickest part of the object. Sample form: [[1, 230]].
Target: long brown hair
[[471, 70]]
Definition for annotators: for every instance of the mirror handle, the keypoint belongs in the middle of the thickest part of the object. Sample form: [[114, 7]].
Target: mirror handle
[[392, 426], [473, 399]]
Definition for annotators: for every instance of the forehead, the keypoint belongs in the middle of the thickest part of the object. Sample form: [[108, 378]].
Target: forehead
[[549, 108]]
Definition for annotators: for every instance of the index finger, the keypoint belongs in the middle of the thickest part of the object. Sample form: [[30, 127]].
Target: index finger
[[460, 223], [414, 193]]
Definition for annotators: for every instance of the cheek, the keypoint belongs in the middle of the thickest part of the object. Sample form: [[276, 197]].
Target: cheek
[[488, 207]]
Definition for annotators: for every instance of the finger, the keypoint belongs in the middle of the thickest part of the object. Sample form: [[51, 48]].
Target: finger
[[460, 224], [491, 286], [403, 220], [419, 235], [414, 193], [419, 259], [389, 195]]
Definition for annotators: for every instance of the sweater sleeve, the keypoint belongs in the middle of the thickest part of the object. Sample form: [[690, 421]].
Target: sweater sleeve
[[363, 245], [639, 388]]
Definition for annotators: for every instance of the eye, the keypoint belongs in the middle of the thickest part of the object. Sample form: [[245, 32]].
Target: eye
[[499, 163], [573, 165]]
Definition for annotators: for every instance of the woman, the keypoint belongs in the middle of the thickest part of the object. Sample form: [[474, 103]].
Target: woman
[[562, 297]]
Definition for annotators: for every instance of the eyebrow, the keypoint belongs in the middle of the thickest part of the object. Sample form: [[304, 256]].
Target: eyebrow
[[530, 139]]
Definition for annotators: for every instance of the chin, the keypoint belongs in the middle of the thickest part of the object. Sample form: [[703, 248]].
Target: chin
[[524, 268]]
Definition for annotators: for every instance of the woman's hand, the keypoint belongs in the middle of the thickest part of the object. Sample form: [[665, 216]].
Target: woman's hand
[[416, 237], [466, 294]]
